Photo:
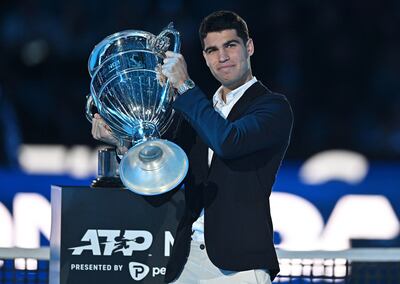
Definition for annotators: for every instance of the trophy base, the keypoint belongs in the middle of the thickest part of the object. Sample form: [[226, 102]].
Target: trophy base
[[107, 182], [153, 167]]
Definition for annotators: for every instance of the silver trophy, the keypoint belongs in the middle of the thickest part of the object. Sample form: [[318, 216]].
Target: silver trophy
[[136, 105]]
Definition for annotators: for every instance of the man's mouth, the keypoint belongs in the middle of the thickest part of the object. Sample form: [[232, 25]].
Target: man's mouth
[[225, 67]]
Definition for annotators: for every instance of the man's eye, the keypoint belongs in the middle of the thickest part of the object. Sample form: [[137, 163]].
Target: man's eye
[[231, 45], [210, 51]]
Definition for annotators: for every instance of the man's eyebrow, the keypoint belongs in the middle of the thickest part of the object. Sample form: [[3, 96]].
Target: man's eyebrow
[[231, 41], [209, 48]]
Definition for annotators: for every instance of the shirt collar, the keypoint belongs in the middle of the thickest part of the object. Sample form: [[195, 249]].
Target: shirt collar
[[233, 95]]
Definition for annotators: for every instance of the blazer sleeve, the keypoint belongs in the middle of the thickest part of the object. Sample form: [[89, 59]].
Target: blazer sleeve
[[266, 123]]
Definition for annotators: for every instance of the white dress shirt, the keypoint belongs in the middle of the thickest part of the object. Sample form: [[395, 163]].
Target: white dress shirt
[[223, 109]]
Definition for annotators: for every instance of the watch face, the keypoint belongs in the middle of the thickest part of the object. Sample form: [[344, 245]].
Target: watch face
[[189, 83]]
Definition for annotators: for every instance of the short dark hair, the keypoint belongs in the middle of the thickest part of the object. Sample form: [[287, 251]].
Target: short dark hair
[[223, 20]]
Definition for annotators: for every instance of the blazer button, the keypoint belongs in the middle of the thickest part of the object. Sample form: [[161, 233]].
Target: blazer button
[[202, 246]]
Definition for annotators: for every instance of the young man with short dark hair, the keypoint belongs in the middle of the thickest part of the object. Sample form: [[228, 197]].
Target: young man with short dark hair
[[226, 233]]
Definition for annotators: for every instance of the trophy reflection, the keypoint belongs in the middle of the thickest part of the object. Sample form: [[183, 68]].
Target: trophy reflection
[[136, 105]]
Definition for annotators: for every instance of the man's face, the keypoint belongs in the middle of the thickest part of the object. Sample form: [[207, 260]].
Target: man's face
[[228, 57]]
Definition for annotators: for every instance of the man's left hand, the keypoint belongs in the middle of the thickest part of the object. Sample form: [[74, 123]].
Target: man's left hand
[[175, 69]]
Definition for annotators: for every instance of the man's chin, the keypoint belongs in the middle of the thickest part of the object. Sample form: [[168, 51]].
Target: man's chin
[[230, 84], [226, 81]]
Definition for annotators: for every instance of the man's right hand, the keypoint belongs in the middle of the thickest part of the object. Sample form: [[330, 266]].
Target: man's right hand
[[101, 131]]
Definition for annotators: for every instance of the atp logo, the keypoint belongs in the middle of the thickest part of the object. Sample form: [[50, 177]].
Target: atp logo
[[138, 270], [125, 242]]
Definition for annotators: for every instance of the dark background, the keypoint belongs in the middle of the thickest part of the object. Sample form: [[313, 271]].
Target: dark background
[[338, 62]]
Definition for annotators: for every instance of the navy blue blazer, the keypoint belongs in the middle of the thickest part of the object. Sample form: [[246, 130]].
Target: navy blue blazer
[[234, 191]]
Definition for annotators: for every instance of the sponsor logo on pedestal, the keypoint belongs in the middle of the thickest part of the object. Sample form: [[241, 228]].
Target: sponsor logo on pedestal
[[138, 270]]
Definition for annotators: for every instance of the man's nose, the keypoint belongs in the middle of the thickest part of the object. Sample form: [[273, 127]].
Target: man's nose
[[223, 56]]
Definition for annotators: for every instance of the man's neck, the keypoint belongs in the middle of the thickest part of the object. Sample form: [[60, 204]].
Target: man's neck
[[227, 89]]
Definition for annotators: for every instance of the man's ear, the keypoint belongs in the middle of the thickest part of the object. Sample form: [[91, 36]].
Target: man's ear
[[250, 47]]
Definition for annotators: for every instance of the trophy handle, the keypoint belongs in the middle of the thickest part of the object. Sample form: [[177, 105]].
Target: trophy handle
[[177, 40], [161, 43]]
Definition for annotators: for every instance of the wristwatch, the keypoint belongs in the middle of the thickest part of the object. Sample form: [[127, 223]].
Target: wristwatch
[[187, 85]]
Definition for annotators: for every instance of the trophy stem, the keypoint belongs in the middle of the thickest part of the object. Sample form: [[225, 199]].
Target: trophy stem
[[143, 132], [150, 153]]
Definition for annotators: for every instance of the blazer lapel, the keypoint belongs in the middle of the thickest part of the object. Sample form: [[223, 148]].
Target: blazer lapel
[[254, 91]]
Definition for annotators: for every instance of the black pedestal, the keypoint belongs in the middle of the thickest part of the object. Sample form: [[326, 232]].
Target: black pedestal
[[111, 235]]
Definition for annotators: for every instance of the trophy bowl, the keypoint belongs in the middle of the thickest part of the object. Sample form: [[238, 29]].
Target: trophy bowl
[[129, 96]]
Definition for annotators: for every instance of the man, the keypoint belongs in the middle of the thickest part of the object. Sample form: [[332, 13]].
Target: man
[[226, 233]]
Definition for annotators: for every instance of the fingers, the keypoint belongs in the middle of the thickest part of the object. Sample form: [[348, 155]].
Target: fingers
[[101, 131], [169, 54], [174, 68], [173, 58], [97, 124], [107, 127], [161, 78]]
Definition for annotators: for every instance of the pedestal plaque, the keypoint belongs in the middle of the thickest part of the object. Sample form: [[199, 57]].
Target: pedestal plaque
[[111, 235]]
